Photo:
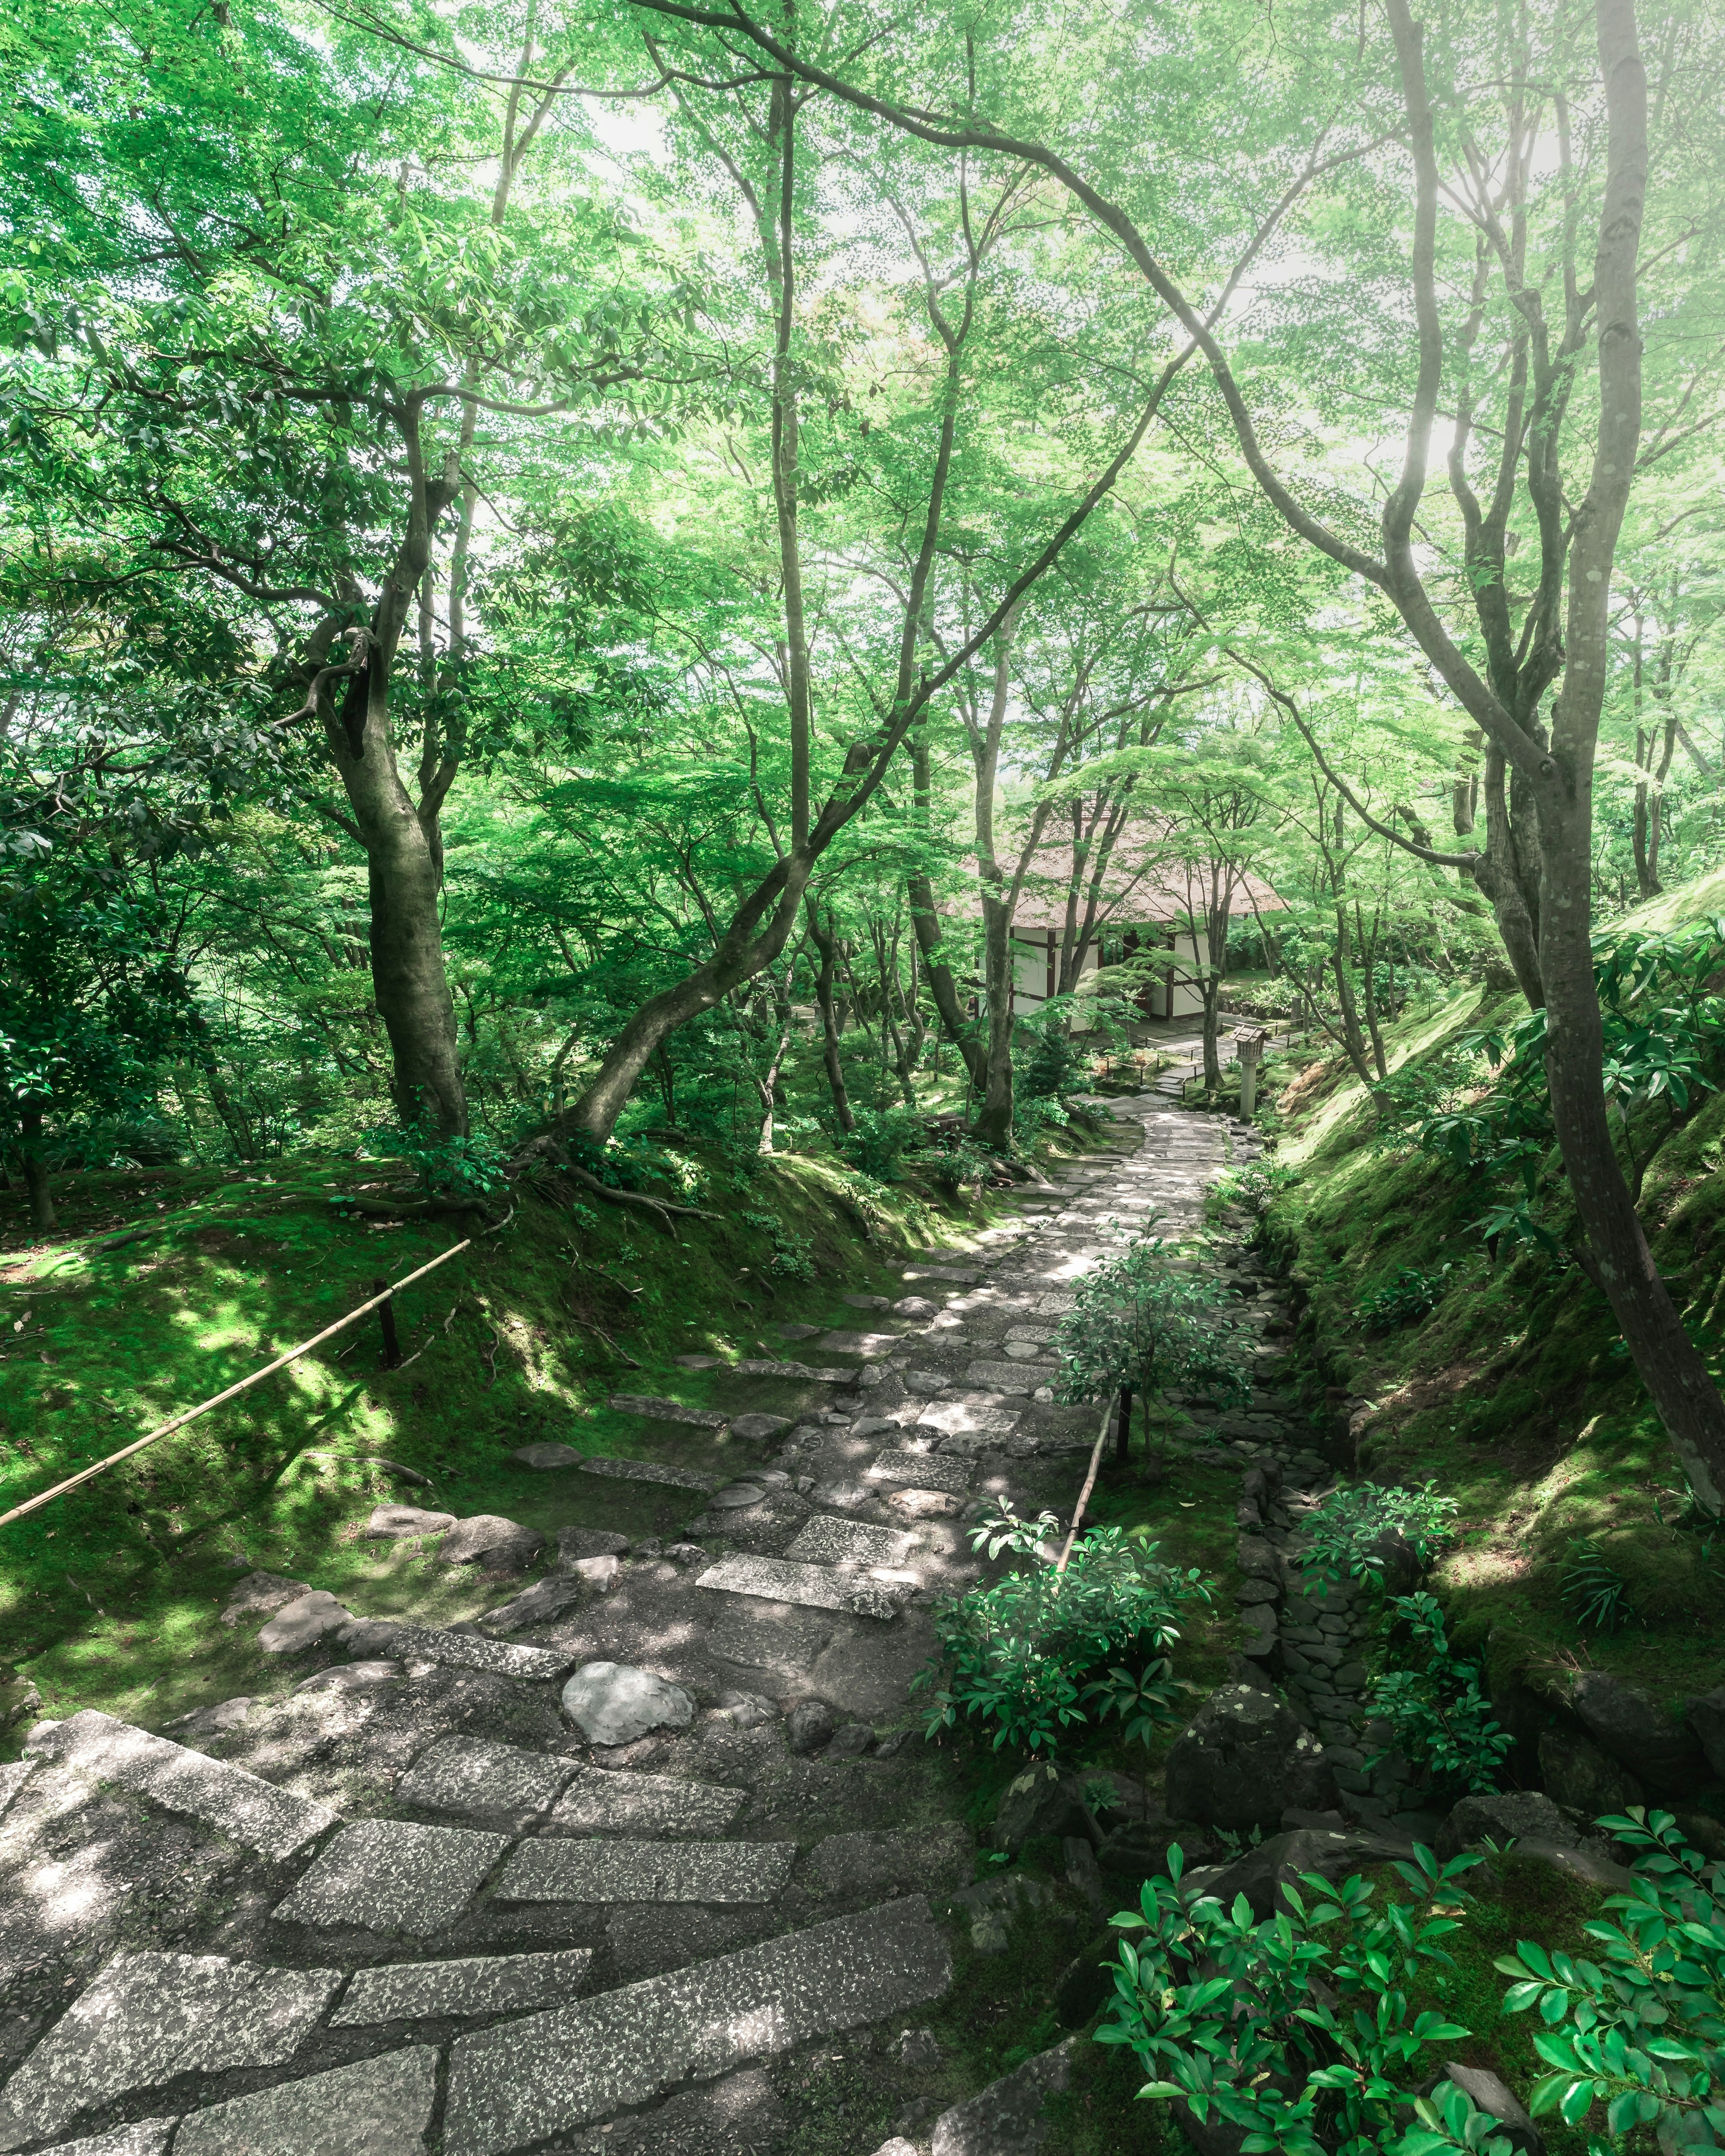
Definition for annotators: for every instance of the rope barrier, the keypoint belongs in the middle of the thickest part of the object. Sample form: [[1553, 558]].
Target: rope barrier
[[257, 1376]]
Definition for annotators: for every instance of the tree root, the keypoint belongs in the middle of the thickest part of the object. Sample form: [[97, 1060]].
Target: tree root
[[548, 1146]]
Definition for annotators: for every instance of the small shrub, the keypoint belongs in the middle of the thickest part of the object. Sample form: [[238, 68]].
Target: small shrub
[[1440, 1720], [1640, 2031], [1405, 1298], [1298, 2030], [1346, 1534], [1598, 1596], [1028, 1655], [880, 1141], [1053, 1064], [469, 1168], [1137, 1322]]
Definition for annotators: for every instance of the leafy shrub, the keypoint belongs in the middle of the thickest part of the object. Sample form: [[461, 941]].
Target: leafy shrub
[[1025, 1655], [1440, 1720], [469, 1168], [1298, 2030], [1053, 1064], [1407, 1296], [881, 1139], [1135, 1321], [1346, 1534], [1597, 1595], [1641, 2029], [1255, 1188], [1033, 1113]]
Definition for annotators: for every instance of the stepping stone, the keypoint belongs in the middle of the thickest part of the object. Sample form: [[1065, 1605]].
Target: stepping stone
[[923, 1504], [201, 1722], [877, 1863], [297, 1625], [849, 1542], [398, 1522], [1056, 1306], [146, 2136], [545, 1457], [699, 1362], [915, 1305], [758, 1425], [871, 1344], [623, 1870], [807, 1586], [381, 2108], [544, 1600], [1007, 2117], [501, 1784], [804, 1372], [737, 1496], [354, 1676], [515, 2086], [609, 1800], [657, 1410], [252, 1812], [922, 1470], [614, 1703], [652, 1470], [496, 1984], [454, 1650], [260, 1591], [387, 1875], [1012, 1377], [952, 1417], [866, 1301], [489, 1535], [149, 2017], [965, 1279], [928, 1383]]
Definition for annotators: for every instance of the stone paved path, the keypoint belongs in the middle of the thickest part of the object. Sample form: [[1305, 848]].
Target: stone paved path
[[418, 1903]]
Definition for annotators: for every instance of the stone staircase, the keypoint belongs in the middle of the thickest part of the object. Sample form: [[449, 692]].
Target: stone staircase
[[492, 1897]]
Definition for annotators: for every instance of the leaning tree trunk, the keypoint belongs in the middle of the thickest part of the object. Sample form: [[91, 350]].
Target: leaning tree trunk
[[826, 944]]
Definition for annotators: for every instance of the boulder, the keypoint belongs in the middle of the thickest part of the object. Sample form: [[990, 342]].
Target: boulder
[[1262, 1872], [1007, 2118], [300, 1625], [1578, 1775], [1505, 1815], [1243, 1760], [809, 1724], [574, 1543], [500, 1545], [545, 1457], [1402, 1570], [614, 1704], [1130, 1855], [260, 1591], [1707, 1718], [1087, 1983], [1624, 1722], [398, 1522], [545, 1600], [1042, 1801], [758, 1425]]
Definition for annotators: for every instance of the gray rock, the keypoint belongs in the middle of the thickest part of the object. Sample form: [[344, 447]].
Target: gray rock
[[758, 1425], [811, 1374], [146, 2136], [873, 1862], [302, 1623], [898, 2146], [824, 1541], [809, 1724], [519, 2084], [866, 1301], [970, 1417], [150, 2017], [12, 1777], [1278, 1862], [807, 1586], [351, 1676], [1505, 1815], [545, 1457], [737, 1497], [260, 1591], [871, 1344], [496, 1984], [1243, 1760], [685, 1553], [799, 1332], [1623, 1722], [605, 1800], [545, 1600], [740, 2114], [922, 1470], [918, 2049], [380, 2107], [502, 1544], [1707, 1718], [399, 1522], [928, 1383], [208, 1721], [387, 1876], [614, 1704], [1578, 1775], [699, 1362], [575, 1543], [454, 1649], [1041, 1801], [1008, 2118], [963, 1276], [915, 1305], [254, 1812], [500, 1786], [629, 1870], [851, 1741]]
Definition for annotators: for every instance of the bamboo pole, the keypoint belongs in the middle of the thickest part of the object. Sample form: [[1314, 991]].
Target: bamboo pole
[[257, 1376]]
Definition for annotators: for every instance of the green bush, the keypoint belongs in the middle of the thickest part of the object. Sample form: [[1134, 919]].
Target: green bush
[[881, 1139], [1345, 1535], [1136, 1321], [1406, 1297], [1299, 2029], [1030, 1654], [1642, 2030], [1440, 1719]]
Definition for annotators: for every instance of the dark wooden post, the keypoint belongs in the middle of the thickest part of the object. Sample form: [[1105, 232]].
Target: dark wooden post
[[385, 1315]]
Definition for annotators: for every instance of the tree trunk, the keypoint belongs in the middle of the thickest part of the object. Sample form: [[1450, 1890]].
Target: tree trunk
[[42, 1221], [825, 943], [942, 988], [993, 1122], [1210, 989]]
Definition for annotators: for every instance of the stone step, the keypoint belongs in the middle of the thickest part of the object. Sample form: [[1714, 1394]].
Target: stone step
[[484, 1984], [389, 1876], [655, 1407], [615, 1800], [714, 1872], [872, 1345], [252, 1812], [826, 1540], [966, 1276], [806, 1374], [921, 1471], [365, 1637], [501, 1784], [378, 2107], [1010, 1377], [516, 2085], [807, 1586]]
